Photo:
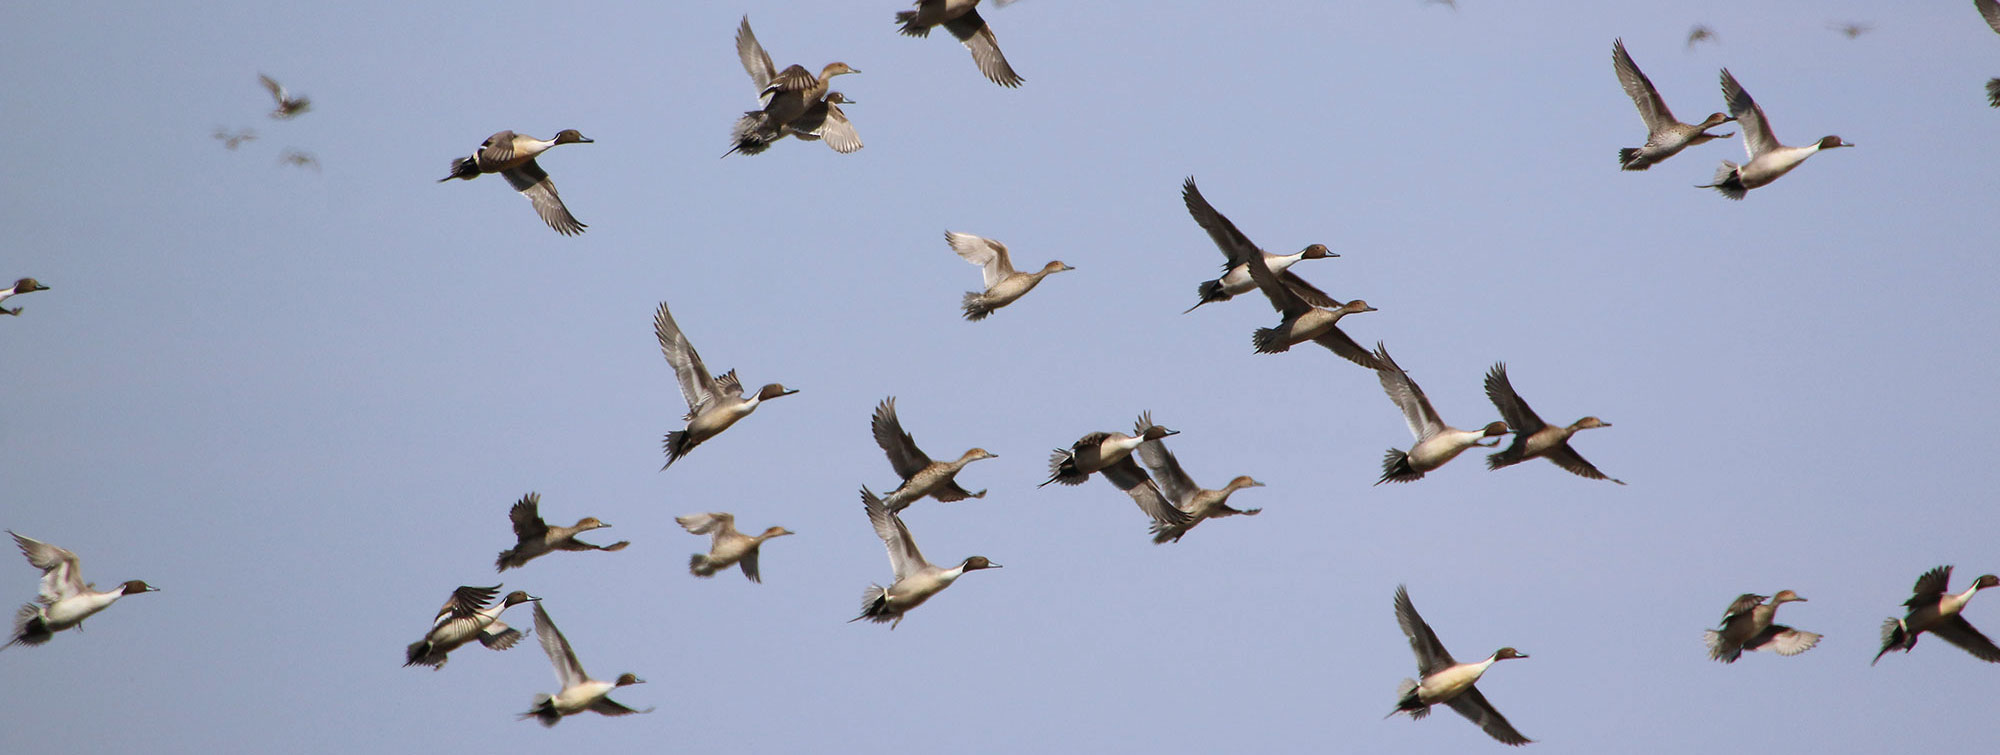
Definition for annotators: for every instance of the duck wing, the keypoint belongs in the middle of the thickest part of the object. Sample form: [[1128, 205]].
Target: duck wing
[[902, 449], [465, 602], [61, 577], [904, 558], [972, 30], [1652, 109], [568, 671], [533, 183], [1929, 587], [991, 256], [527, 517], [1473, 706], [698, 387], [1757, 138], [1127, 476], [1957, 631], [1236, 248], [1407, 396], [756, 62], [1431, 655]]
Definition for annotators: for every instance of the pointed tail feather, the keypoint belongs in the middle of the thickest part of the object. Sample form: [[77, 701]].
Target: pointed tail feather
[[464, 167], [1396, 468], [1717, 649], [1627, 159], [976, 308], [908, 19], [1270, 341]]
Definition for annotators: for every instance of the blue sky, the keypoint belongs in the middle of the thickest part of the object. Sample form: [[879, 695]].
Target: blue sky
[[301, 402]]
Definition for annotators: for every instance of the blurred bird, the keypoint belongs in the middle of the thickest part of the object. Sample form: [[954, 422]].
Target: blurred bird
[[1700, 33], [299, 159], [916, 579], [726, 547], [1990, 10], [65, 600], [1666, 136], [579, 692], [1940, 613], [1852, 29], [465, 617], [921, 476], [22, 286], [714, 402], [1769, 160], [1003, 283], [288, 106], [1447, 681], [233, 139], [1747, 625], [785, 95], [962, 19], [513, 157], [534, 538]]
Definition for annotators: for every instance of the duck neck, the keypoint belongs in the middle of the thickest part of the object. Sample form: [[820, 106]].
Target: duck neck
[[1952, 604]]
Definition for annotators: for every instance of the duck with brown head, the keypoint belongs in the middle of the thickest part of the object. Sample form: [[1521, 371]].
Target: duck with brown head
[[714, 401], [921, 476], [1004, 284], [469, 614], [534, 537], [22, 286], [579, 692], [1768, 159], [1237, 250], [727, 547], [513, 157], [786, 95], [1437, 442], [1534, 438], [65, 599], [1941, 613], [916, 579]]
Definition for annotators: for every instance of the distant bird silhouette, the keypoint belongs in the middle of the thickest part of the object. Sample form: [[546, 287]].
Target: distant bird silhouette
[[1851, 29], [299, 159], [288, 106], [233, 139], [1700, 33]]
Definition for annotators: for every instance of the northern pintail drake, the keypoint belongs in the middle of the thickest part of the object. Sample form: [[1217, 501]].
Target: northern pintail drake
[[916, 579], [1768, 158], [65, 600], [289, 106], [1304, 322], [1940, 613], [726, 546], [826, 121], [714, 402], [1180, 490], [1111, 454], [22, 286], [535, 538], [1447, 681], [1747, 625], [961, 18], [1237, 250], [921, 476], [1665, 136], [1990, 10], [1003, 283], [579, 692], [513, 157], [470, 614], [1437, 442], [785, 95], [1534, 438]]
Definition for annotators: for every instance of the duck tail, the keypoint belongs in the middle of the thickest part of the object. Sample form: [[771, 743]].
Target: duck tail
[[1628, 159], [465, 167], [1209, 291], [1728, 180], [1407, 702], [1062, 468], [506, 561], [976, 308], [1993, 92], [874, 605], [30, 628], [543, 711], [1513, 454], [420, 654], [677, 444], [700, 566], [1719, 650], [752, 134], [1167, 533], [1396, 468], [908, 18], [1270, 341], [1895, 636]]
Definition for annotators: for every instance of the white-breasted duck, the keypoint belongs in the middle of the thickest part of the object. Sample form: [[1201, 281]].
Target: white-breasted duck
[[785, 95], [1437, 442], [726, 546], [289, 105], [1665, 135], [1237, 249], [1447, 681], [64, 599], [22, 286], [916, 579], [1180, 490], [1111, 454], [1748, 625], [470, 614], [1940, 613], [714, 402], [1534, 438], [535, 538], [962, 19], [1768, 159], [579, 692], [921, 476], [1003, 283], [513, 157]]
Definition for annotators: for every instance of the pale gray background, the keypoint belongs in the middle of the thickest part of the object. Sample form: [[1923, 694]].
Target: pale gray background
[[302, 402]]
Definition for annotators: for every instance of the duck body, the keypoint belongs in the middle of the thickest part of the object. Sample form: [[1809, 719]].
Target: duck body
[[470, 614], [513, 157], [1750, 624], [1932, 609], [1198, 503], [64, 599], [921, 476], [916, 579], [1769, 160], [1665, 135], [786, 95], [715, 402], [1533, 438], [1437, 442], [1004, 284], [727, 547], [1236, 280], [579, 692], [534, 537], [1237, 251], [1441, 679]]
